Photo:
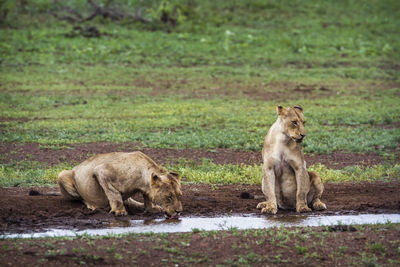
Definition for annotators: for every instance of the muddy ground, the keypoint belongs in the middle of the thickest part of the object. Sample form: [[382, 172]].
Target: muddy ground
[[20, 212], [315, 246]]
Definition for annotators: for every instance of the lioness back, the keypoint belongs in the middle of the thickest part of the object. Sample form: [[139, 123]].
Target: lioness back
[[118, 162]]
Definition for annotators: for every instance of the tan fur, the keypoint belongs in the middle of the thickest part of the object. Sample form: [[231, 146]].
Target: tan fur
[[286, 182], [107, 180]]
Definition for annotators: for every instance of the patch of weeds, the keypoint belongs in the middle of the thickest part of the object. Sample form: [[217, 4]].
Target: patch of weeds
[[196, 230], [90, 242], [278, 259], [118, 256], [174, 250], [197, 257], [369, 260], [315, 255], [249, 258], [204, 233], [301, 249], [342, 249], [79, 250], [377, 247], [112, 248], [54, 252], [142, 251], [43, 260], [260, 241]]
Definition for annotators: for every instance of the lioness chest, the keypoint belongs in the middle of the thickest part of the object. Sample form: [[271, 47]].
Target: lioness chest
[[285, 180]]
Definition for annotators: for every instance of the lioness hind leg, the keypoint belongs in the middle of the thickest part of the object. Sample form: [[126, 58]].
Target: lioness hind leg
[[66, 184], [104, 173], [315, 193], [136, 204]]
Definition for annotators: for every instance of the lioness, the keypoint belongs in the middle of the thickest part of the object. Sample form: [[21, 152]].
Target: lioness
[[109, 179], [286, 182]]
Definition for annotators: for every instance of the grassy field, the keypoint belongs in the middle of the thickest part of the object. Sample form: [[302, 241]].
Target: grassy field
[[212, 81]]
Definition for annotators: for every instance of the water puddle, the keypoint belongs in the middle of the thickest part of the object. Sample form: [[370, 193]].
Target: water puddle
[[187, 224]]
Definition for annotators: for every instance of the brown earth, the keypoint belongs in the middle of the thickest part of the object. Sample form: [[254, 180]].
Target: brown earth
[[316, 246], [79, 152], [20, 212]]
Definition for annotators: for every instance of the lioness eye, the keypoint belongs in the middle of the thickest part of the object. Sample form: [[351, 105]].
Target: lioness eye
[[294, 122]]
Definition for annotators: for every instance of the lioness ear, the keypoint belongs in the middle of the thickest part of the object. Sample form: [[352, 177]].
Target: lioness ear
[[175, 174], [155, 179], [279, 110], [298, 107]]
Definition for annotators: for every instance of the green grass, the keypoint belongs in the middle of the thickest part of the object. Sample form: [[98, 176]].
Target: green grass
[[213, 81], [333, 124], [31, 173]]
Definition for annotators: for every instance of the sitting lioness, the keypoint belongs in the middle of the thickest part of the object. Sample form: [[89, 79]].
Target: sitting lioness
[[107, 180], [286, 182]]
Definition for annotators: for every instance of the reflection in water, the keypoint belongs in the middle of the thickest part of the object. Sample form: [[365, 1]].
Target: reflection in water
[[119, 223], [187, 224], [166, 221], [292, 219]]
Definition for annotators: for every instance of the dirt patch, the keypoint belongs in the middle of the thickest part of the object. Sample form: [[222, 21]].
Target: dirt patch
[[279, 91], [389, 125], [20, 212], [211, 88], [6, 119], [79, 152]]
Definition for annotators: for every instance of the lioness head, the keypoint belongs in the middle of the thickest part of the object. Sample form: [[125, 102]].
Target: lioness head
[[293, 122], [166, 192]]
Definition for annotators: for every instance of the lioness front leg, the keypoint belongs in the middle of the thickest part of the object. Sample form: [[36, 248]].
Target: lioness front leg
[[103, 175], [268, 188], [303, 185], [150, 206]]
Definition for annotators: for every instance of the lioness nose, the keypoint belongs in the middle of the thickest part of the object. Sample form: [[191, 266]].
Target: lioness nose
[[303, 135]]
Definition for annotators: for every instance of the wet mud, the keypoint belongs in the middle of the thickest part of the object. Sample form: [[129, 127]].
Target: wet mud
[[21, 213]]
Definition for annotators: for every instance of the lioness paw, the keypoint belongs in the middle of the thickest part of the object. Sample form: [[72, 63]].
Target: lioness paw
[[261, 205], [270, 208], [119, 212], [91, 207], [318, 205], [303, 208]]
